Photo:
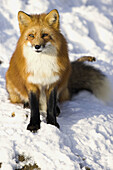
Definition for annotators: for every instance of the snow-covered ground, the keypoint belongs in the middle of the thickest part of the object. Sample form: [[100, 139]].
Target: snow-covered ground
[[85, 138]]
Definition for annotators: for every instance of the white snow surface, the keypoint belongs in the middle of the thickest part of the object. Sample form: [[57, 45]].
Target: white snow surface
[[85, 137]]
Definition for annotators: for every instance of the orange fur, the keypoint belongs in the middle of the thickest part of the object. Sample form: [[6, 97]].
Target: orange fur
[[33, 28]]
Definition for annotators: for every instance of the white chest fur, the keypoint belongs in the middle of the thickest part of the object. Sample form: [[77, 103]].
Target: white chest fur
[[41, 65]]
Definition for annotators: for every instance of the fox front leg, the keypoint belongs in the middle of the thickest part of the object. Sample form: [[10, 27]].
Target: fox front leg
[[34, 124], [51, 109]]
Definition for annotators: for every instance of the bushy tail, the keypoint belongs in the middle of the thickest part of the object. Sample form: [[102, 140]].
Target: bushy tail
[[86, 77]]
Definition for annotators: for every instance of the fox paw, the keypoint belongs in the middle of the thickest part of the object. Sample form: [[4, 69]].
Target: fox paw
[[33, 128], [53, 123], [57, 125], [26, 105]]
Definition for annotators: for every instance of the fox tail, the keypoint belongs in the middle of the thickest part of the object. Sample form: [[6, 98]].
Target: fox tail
[[86, 77]]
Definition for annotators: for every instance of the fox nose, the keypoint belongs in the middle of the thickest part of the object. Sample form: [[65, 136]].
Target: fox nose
[[37, 47]]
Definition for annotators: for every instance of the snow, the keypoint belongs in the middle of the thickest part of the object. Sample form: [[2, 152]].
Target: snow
[[85, 138]]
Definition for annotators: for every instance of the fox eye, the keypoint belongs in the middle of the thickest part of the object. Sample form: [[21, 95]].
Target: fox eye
[[44, 35], [31, 35]]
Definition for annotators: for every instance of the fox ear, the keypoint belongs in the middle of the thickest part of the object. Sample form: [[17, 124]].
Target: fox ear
[[53, 19], [23, 19]]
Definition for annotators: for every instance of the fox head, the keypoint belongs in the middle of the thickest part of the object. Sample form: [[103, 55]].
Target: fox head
[[52, 19], [39, 30]]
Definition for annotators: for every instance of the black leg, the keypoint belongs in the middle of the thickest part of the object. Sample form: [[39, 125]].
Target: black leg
[[51, 109], [34, 124], [57, 110]]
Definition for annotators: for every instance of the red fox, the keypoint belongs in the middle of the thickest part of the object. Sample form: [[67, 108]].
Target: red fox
[[40, 72]]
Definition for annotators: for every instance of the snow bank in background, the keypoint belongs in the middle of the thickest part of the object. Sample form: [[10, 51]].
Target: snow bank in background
[[85, 138]]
